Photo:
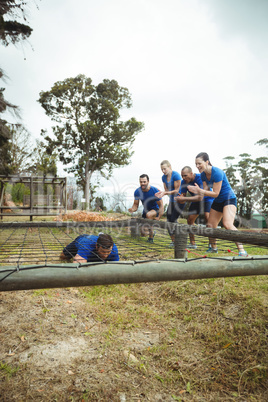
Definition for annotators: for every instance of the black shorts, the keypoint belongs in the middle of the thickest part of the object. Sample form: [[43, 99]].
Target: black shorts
[[144, 213], [199, 207], [218, 206], [174, 211]]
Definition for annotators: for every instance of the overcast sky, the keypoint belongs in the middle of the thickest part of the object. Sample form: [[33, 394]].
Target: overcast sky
[[196, 70]]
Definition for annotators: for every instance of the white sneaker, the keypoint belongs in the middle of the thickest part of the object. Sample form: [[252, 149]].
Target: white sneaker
[[242, 254], [194, 246]]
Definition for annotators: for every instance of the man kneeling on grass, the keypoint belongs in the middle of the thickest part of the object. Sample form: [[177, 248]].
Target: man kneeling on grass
[[91, 248]]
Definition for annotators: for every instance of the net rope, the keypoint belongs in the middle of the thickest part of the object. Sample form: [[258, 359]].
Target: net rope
[[31, 248], [42, 246]]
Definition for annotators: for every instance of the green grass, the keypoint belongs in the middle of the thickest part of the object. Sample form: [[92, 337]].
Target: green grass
[[212, 333], [7, 370]]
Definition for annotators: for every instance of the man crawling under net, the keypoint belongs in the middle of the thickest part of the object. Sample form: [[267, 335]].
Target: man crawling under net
[[91, 248]]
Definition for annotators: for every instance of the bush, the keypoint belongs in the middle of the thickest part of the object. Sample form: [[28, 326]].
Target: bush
[[18, 191]]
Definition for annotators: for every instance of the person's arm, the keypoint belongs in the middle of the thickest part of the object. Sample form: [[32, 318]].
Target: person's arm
[[114, 256], [161, 209], [206, 191], [77, 258], [180, 198], [177, 184], [134, 207], [192, 198], [216, 189], [63, 256], [161, 193]]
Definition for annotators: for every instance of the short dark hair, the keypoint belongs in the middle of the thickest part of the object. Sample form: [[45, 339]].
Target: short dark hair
[[105, 241], [204, 156], [144, 175], [187, 168]]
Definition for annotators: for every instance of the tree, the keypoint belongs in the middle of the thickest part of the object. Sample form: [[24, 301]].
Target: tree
[[249, 179], [5, 159], [118, 202], [230, 171], [99, 204], [20, 149], [89, 135], [43, 163], [12, 31], [18, 156], [262, 167], [5, 106], [246, 190]]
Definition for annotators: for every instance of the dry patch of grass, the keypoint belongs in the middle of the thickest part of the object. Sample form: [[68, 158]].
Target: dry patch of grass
[[202, 340], [85, 216]]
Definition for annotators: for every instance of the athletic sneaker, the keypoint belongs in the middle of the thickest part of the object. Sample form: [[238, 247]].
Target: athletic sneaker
[[212, 250], [151, 239], [243, 254], [194, 246]]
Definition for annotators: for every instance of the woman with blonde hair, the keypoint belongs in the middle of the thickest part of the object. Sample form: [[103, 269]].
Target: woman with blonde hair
[[172, 182]]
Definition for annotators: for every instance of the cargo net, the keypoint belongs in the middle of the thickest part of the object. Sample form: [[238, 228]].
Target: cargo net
[[42, 245]]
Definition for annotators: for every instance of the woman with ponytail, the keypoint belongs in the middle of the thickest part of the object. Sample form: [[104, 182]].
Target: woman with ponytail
[[224, 205]]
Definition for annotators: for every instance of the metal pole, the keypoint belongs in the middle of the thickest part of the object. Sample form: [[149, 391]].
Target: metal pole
[[31, 197], [92, 274], [2, 197], [65, 194], [134, 229]]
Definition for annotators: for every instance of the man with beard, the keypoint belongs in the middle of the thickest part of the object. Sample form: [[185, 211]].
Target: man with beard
[[153, 207]]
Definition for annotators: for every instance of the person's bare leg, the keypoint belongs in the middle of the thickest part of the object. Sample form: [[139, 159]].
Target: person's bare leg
[[190, 221], [213, 221], [229, 212], [206, 214], [144, 230], [151, 215]]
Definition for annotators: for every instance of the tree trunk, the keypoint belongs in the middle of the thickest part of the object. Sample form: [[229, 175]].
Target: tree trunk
[[87, 186]]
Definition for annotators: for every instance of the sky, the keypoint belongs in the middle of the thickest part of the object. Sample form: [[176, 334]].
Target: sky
[[196, 71]]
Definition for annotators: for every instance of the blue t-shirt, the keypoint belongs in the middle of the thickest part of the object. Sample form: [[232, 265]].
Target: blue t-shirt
[[175, 176], [148, 198], [226, 192], [86, 248], [197, 180]]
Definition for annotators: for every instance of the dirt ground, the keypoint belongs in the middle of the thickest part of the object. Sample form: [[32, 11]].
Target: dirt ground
[[58, 355], [58, 345]]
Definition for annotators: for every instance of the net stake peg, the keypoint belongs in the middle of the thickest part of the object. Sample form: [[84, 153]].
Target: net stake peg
[[180, 243]]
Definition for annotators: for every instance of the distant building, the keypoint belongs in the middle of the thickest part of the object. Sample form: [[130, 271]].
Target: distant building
[[258, 221]]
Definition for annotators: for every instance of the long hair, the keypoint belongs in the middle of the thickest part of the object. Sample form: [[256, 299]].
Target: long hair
[[204, 156]]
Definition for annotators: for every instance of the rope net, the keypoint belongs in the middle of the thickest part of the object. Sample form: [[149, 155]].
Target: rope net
[[20, 246]]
